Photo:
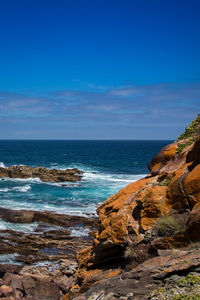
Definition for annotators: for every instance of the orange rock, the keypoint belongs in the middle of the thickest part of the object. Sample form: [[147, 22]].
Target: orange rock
[[89, 278], [168, 160], [167, 154], [115, 216], [6, 291], [112, 273], [123, 216], [184, 189], [176, 197], [193, 233], [127, 215], [73, 292], [192, 184], [84, 256], [153, 200]]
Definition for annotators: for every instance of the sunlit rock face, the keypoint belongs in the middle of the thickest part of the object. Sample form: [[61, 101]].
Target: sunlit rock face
[[129, 221]]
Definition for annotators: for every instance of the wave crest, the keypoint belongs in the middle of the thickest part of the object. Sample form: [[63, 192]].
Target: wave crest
[[22, 189]]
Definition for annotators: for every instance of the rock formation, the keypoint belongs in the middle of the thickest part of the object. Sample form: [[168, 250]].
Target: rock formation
[[138, 226], [43, 174]]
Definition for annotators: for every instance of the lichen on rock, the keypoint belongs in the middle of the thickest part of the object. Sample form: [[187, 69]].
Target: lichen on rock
[[126, 234]]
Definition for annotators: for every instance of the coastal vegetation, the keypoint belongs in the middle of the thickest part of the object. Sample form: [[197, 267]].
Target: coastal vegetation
[[190, 135], [167, 225]]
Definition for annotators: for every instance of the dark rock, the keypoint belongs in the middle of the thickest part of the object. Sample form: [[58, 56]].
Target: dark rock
[[193, 155], [16, 216], [9, 268], [44, 174]]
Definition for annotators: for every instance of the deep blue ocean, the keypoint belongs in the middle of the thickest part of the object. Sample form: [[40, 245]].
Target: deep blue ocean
[[108, 166]]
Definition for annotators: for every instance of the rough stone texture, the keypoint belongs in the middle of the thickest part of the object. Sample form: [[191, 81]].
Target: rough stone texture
[[193, 226], [165, 157], [152, 204], [42, 173], [115, 217], [126, 236], [35, 282], [146, 277], [194, 154], [191, 185], [40, 287], [28, 216], [49, 245]]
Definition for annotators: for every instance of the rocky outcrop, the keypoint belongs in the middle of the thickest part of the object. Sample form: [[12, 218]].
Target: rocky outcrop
[[29, 216], [46, 175], [44, 259], [51, 238], [156, 213]]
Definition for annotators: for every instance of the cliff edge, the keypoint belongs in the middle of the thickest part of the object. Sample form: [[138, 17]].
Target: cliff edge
[[149, 231]]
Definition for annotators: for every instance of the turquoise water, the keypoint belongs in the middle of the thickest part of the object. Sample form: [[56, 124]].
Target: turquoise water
[[108, 166]]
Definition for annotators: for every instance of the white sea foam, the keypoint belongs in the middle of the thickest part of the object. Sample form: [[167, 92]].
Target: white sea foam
[[22, 189], [9, 258], [22, 227], [79, 231], [91, 174], [65, 184], [2, 165], [30, 179], [5, 190], [2, 225], [119, 178]]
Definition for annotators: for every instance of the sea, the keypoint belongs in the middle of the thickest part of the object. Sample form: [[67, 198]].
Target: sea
[[108, 166]]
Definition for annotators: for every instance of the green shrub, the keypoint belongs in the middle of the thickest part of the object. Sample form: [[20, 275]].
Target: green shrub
[[167, 225], [185, 288], [187, 297], [166, 182], [192, 130], [182, 146]]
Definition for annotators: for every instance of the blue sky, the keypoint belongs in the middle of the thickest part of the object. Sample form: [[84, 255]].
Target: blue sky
[[96, 69]]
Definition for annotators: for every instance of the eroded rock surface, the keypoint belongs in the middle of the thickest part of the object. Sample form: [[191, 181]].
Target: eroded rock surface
[[153, 214], [36, 282]]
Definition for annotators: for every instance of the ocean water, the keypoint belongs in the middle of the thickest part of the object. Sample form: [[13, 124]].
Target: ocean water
[[108, 166]]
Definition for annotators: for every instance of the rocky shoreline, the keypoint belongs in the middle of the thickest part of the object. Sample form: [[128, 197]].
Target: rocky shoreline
[[144, 245], [44, 174], [44, 259]]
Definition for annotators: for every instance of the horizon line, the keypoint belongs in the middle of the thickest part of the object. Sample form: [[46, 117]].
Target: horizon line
[[38, 139]]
